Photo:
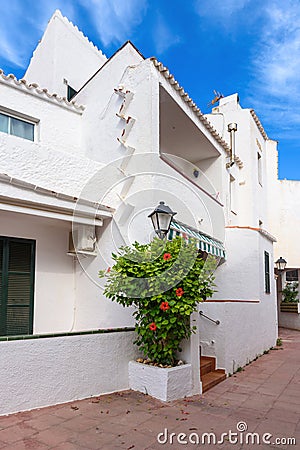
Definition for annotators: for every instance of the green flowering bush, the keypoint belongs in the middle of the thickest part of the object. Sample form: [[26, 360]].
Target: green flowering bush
[[290, 292], [164, 281]]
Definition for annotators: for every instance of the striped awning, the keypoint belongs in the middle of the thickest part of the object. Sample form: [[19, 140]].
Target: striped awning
[[205, 243]]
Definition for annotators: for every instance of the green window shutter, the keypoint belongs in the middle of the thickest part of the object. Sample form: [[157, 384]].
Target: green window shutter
[[267, 273], [17, 287], [2, 294]]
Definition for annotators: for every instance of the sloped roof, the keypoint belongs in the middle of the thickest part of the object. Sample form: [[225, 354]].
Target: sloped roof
[[259, 124], [35, 89]]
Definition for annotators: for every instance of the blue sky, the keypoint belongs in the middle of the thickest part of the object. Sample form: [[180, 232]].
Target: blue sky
[[243, 46]]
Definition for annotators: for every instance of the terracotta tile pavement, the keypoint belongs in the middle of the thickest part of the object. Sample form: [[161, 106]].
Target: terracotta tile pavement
[[265, 395]]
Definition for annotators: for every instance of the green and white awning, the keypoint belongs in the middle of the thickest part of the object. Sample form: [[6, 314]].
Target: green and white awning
[[205, 243]]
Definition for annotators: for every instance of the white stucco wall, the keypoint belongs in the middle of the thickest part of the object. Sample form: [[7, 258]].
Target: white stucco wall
[[57, 126], [251, 195], [246, 331], [57, 57], [289, 320], [247, 314], [283, 211], [54, 292], [58, 171], [47, 371], [286, 221]]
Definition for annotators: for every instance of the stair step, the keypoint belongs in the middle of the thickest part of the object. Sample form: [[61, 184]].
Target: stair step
[[207, 364], [211, 379]]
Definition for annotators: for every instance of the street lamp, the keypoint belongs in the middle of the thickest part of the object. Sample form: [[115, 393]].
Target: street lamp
[[161, 219], [280, 264]]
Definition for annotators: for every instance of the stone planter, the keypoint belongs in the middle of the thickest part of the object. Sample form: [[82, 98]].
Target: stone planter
[[291, 307], [164, 384]]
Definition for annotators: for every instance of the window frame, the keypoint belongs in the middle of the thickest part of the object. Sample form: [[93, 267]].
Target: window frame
[[295, 279], [23, 118]]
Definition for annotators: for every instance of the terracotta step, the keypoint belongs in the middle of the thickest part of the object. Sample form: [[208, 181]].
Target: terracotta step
[[207, 364], [211, 379]]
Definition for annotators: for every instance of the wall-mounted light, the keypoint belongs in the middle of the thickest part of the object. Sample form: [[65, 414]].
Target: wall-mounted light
[[232, 128], [280, 264], [161, 219]]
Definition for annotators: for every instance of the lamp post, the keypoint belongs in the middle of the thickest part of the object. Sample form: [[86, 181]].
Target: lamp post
[[161, 219], [280, 264]]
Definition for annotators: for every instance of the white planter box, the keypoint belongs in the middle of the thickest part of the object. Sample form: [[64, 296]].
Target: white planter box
[[163, 384]]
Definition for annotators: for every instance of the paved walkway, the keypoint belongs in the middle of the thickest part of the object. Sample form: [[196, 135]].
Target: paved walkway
[[265, 397]]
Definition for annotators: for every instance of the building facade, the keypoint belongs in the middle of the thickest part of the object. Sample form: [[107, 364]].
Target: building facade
[[88, 148]]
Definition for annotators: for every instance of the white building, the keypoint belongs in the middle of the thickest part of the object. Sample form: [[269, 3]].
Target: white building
[[270, 203], [130, 137]]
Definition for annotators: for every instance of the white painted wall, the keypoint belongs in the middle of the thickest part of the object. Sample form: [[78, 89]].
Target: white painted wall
[[289, 320], [47, 371], [246, 331], [57, 170], [251, 196], [284, 213], [58, 127], [54, 278], [101, 125], [247, 314], [63, 52]]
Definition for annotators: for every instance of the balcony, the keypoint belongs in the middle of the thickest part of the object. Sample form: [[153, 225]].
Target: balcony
[[187, 149]]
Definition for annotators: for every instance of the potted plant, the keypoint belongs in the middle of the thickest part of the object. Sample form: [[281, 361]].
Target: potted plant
[[164, 281], [290, 300]]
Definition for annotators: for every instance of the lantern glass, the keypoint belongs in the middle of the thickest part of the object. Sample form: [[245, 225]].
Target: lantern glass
[[164, 221], [281, 264]]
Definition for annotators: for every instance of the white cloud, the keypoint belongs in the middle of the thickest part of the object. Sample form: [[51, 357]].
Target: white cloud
[[275, 88], [219, 8], [163, 36], [115, 19], [22, 23]]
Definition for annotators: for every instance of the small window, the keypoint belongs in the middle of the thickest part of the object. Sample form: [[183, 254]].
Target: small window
[[267, 273], [233, 195], [71, 93], [259, 168], [292, 275], [16, 127]]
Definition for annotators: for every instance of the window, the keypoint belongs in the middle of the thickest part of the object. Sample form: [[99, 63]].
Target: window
[[233, 195], [17, 259], [71, 93], [259, 168], [267, 273], [292, 275], [16, 127]]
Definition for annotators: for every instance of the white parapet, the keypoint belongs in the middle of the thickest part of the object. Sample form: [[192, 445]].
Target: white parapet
[[165, 384]]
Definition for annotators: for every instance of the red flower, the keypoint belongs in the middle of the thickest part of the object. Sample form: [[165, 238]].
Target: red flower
[[108, 270], [167, 256], [152, 326], [164, 306], [179, 292]]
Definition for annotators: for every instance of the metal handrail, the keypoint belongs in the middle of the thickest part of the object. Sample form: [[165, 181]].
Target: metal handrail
[[217, 322]]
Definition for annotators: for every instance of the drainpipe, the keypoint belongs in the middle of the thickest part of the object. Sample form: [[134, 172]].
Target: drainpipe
[[232, 128]]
